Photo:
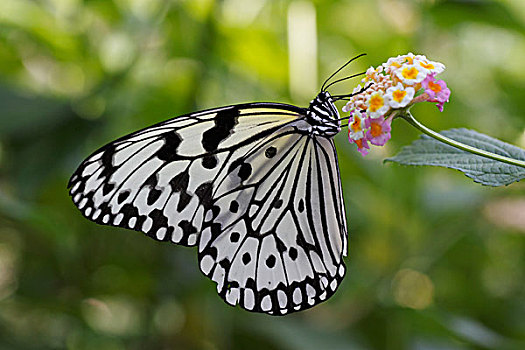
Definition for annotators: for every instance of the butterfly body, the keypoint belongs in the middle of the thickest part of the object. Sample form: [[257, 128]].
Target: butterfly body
[[254, 186], [323, 116]]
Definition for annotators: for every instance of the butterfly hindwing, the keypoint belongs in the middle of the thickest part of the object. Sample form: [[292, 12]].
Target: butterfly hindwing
[[282, 250]]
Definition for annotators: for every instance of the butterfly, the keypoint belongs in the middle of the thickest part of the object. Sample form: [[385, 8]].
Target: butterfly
[[255, 186]]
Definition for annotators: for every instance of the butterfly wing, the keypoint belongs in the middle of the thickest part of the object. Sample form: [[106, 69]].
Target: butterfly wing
[[249, 184], [284, 252], [158, 180]]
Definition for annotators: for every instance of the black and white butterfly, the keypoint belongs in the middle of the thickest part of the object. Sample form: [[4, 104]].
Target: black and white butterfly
[[255, 186]]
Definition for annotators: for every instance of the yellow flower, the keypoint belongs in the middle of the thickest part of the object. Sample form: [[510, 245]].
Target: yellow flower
[[377, 105], [411, 74]]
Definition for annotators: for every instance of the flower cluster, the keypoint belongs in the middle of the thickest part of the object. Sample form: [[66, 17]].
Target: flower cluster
[[396, 84]]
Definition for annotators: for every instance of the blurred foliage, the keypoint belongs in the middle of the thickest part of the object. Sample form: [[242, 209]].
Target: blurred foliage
[[435, 262]]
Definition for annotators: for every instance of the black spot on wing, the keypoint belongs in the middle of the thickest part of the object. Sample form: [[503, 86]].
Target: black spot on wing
[[301, 206], [234, 237], [225, 264], [180, 182], [209, 161], [277, 203], [250, 282], [153, 195], [246, 258], [107, 161], [187, 228], [129, 211], [234, 206], [270, 152], [107, 188], [245, 171], [168, 152], [204, 192], [292, 253], [159, 220], [225, 120], [270, 261], [123, 196]]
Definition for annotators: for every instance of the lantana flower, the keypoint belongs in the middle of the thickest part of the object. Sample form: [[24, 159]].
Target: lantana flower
[[387, 89], [398, 96], [378, 132], [356, 126], [356, 131], [377, 105], [411, 74], [437, 91], [371, 73], [431, 66]]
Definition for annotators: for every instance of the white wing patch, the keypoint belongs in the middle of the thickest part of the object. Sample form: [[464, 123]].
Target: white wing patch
[[248, 184]]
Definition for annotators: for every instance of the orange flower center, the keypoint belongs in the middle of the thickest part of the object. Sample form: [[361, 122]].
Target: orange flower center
[[395, 64], [376, 129], [426, 65], [359, 143], [376, 102], [410, 73], [356, 125], [434, 87], [399, 95]]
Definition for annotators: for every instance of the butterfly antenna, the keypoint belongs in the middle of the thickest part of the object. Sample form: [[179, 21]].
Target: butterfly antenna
[[343, 79], [348, 96], [337, 71]]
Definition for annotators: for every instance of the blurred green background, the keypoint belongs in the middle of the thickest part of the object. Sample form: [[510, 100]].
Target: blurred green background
[[435, 261]]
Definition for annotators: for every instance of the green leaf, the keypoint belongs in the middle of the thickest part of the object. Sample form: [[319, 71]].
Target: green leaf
[[428, 151]]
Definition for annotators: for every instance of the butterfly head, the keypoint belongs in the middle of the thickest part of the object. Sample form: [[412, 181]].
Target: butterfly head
[[323, 115]]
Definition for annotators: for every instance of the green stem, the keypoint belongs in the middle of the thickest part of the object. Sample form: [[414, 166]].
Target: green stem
[[409, 118]]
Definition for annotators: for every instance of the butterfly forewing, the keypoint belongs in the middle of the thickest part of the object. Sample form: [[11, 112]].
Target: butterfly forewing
[[249, 184], [156, 180]]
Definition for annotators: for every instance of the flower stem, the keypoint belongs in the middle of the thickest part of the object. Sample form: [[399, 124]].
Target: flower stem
[[409, 118]]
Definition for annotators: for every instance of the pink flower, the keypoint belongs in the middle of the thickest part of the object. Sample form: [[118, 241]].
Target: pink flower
[[362, 145], [379, 130], [437, 90]]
